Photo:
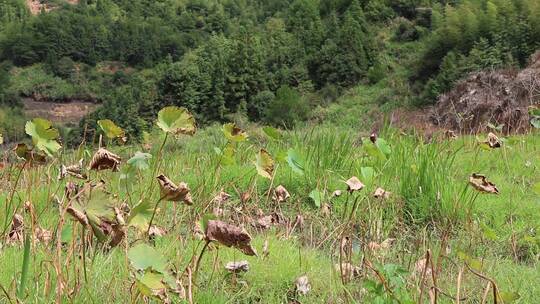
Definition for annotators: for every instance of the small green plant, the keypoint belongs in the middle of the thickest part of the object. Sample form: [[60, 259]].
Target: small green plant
[[391, 287]]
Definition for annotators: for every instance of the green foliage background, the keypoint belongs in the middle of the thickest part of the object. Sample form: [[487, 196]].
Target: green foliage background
[[222, 57]]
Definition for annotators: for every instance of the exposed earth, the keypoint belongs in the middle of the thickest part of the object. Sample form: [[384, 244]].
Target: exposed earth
[[58, 112]]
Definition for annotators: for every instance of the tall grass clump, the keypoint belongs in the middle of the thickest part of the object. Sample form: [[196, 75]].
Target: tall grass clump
[[425, 171]]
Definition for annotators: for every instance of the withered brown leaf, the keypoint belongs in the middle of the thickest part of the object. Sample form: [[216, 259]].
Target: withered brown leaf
[[15, 234], [112, 229], [480, 183], [348, 271], [174, 193], [78, 215], [299, 222], [104, 159], [156, 231], [73, 170], [230, 236], [384, 245], [450, 134], [280, 194], [266, 221], [238, 266], [420, 266], [326, 209], [43, 235], [493, 141], [302, 285], [381, 193], [245, 197], [336, 193], [221, 198], [26, 153], [373, 137], [354, 184]]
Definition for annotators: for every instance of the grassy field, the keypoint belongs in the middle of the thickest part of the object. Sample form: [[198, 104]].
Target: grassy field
[[433, 227]]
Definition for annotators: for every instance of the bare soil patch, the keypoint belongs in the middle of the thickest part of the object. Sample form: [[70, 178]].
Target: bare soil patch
[[58, 112], [36, 6]]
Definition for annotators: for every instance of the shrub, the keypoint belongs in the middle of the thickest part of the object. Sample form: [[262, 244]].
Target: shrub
[[405, 31], [64, 68], [259, 103], [376, 73], [35, 81], [12, 122], [329, 93], [287, 109]]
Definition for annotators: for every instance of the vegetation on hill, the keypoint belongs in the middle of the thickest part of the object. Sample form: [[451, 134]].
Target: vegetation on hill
[[220, 58]]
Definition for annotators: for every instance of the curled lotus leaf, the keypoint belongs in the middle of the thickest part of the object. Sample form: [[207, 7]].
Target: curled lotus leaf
[[24, 152], [480, 183], [104, 159], [280, 194], [172, 192], [264, 164], [230, 236], [381, 193], [354, 184], [75, 170], [237, 266], [44, 135], [493, 141]]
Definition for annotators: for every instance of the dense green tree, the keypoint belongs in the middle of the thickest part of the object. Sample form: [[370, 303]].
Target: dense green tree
[[483, 34], [346, 54]]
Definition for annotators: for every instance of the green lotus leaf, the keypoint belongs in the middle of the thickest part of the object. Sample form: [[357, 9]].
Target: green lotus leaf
[[176, 120], [233, 133], [140, 160], [264, 164], [110, 129], [43, 135]]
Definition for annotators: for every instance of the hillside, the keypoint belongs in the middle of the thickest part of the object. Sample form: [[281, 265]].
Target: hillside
[[275, 62]]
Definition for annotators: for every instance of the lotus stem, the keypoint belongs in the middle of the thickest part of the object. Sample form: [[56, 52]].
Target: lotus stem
[[25, 265]]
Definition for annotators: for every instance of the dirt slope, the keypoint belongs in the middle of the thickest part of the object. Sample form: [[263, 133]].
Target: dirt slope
[[58, 112], [36, 6]]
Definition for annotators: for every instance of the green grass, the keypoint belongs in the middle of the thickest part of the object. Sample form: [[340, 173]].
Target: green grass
[[430, 199]]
